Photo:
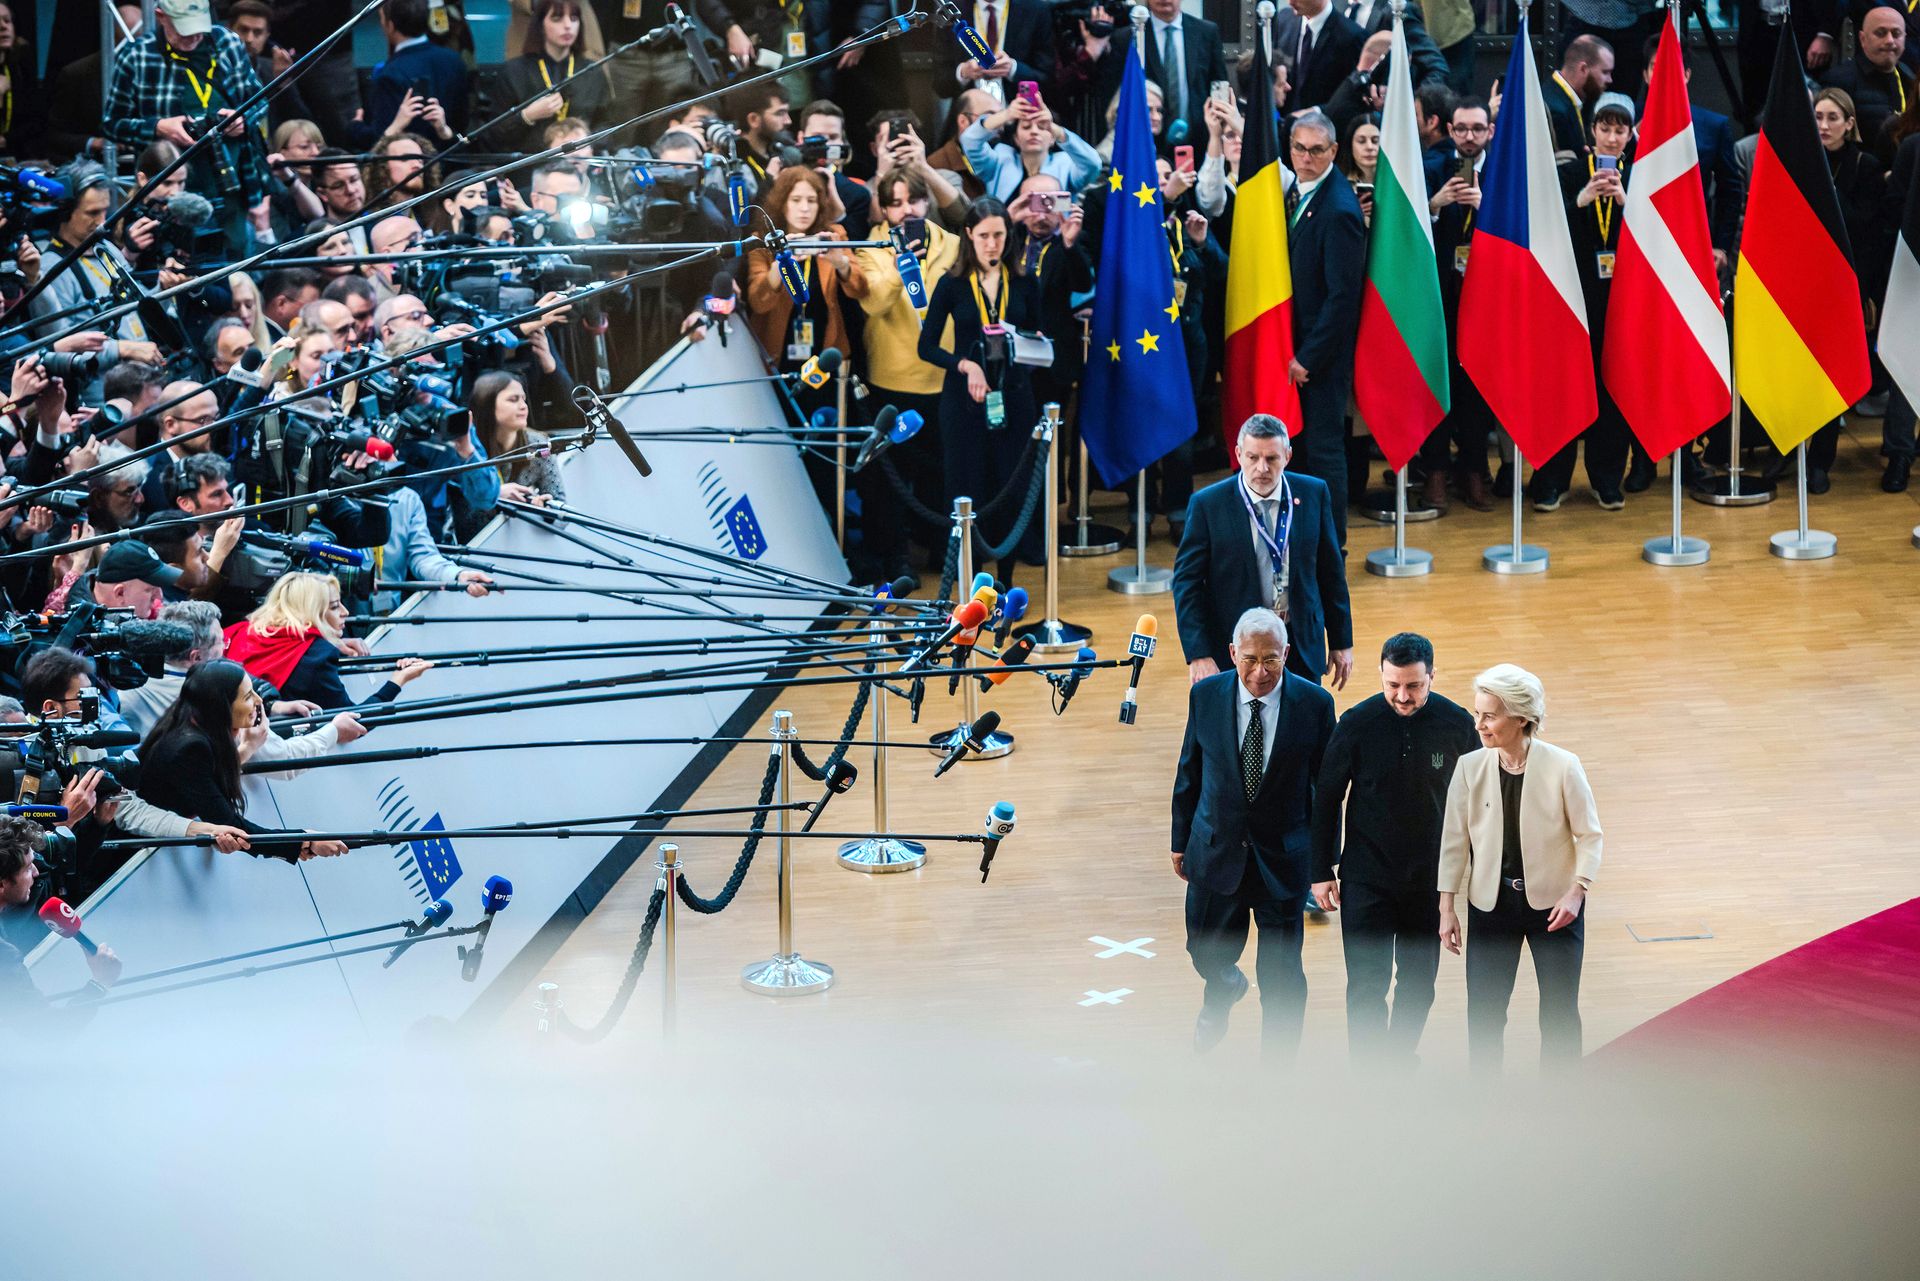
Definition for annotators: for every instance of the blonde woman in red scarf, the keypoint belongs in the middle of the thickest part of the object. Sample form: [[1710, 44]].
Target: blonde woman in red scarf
[[295, 641]]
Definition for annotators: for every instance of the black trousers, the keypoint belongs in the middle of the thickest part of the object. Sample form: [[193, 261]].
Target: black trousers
[[1383, 929], [884, 524], [1468, 427], [1320, 450], [1493, 960], [1217, 928], [1606, 445]]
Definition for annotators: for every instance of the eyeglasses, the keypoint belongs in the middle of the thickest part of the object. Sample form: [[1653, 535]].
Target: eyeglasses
[[1272, 663], [421, 314], [124, 491], [195, 420], [1301, 149], [341, 185], [1470, 130]]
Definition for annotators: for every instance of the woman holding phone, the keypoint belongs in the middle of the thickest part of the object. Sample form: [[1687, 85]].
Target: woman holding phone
[[1360, 158], [1039, 146]]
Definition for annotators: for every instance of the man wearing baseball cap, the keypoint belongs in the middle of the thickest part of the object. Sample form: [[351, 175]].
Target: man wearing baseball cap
[[131, 576]]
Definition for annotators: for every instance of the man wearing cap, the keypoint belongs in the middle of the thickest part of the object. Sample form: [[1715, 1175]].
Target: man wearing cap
[[132, 576], [166, 80], [1595, 188]]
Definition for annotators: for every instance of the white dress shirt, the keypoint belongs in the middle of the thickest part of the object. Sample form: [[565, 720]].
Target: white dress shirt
[[1268, 510], [1177, 68], [1269, 718]]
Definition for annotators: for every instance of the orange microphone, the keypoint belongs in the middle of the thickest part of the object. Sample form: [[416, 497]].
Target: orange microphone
[[1011, 657], [1139, 648]]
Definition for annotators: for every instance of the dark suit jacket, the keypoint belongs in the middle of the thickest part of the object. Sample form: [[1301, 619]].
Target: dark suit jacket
[[1028, 40], [1216, 574], [1336, 52], [1214, 824], [1726, 189], [1206, 62], [1429, 64], [1566, 121], [445, 74], [1328, 249]]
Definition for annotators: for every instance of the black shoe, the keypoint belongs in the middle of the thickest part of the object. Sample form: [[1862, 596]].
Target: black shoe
[[1211, 1027], [1610, 500], [1503, 482], [1894, 479], [1817, 482], [1640, 476], [1546, 499]]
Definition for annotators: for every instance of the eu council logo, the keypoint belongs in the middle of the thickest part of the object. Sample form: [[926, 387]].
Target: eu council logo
[[734, 524], [429, 865]]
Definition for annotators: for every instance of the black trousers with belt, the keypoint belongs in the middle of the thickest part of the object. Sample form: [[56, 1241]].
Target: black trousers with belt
[[1493, 960], [1217, 928], [1391, 938]]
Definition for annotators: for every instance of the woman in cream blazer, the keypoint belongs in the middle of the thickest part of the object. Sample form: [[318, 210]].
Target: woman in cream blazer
[[1521, 841]]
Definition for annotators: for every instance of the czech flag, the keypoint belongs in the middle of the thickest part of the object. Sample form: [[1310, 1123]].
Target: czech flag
[[1523, 320]]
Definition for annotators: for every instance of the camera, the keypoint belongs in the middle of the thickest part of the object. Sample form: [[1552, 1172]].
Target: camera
[[818, 149], [1065, 17], [75, 367]]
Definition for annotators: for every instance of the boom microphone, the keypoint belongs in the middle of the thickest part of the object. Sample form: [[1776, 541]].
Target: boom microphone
[[974, 740], [890, 427], [948, 15], [1013, 608], [600, 418], [32, 182], [820, 368], [999, 825], [494, 897], [1011, 657], [64, 921], [438, 913], [312, 548], [966, 618], [1068, 682], [1140, 648], [105, 738]]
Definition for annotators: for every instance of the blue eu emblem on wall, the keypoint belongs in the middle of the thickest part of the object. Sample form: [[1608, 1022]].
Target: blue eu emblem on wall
[[429, 866], [736, 529]]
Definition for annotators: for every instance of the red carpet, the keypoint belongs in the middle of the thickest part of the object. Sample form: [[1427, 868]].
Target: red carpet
[[1857, 988]]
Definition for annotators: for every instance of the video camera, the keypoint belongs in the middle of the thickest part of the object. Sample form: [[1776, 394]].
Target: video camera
[[126, 651]]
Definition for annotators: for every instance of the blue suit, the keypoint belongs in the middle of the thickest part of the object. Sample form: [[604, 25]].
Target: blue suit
[[1216, 576], [1726, 191], [1328, 248], [444, 75]]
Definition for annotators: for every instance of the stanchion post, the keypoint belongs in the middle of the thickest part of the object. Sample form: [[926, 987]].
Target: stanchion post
[[1050, 635], [1802, 543], [668, 865], [1140, 579], [787, 973], [840, 454], [997, 743], [1515, 557], [1401, 561], [1677, 548], [546, 1009], [1726, 491], [880, 852]]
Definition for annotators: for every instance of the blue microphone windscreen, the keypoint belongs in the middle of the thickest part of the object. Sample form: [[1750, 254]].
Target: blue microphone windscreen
[[906, 426], [1003, 809], [439, 912]]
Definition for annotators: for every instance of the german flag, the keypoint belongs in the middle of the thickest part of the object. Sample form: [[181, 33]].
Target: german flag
[[1799, 334], [1259, 278]]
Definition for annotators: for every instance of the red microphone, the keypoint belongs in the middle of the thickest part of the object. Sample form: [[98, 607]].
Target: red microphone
[[967, 618], [64, 921]]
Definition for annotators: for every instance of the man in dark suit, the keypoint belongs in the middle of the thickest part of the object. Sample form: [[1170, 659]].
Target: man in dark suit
[[1816, 29], [1242, 815], [1327, 244], [1184, 81], [1469, 423], [1875, 78], [1021, 32], [1226, 565], [1320, 47], [1429, 64], [413, 63], [1586, 72]]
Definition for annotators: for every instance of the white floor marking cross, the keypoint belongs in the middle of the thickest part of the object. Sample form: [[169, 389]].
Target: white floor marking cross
[[1135, 948], [1106, 998]]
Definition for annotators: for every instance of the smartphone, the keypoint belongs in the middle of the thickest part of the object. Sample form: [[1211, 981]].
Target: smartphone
[[1183, 159], [1030, 90], [419, 88], [913, 231], [1221, 92], [1463, 170], [1363, 188], [1061, 202], [1606, 162]]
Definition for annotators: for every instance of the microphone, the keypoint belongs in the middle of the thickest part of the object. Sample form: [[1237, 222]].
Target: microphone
[[739, 195], [790, 273], [719, 301], [64, 921], [599, 417], [106, 738], [1140, 648], [1068, 682], [987, 598], [968, 617], [32, 182], [947, 15], [1010, 657], [973, 740], [366, 442], [313, 548], [983, 579], [494, 897], [696, 47], [890, 427], [999, 826], [1013, 608], [438, 913], [912, 280], [44, 815], [820, 368]]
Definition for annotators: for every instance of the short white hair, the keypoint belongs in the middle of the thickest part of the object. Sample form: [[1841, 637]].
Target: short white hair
[[1258, 621], [112, 452], [1518, 690]]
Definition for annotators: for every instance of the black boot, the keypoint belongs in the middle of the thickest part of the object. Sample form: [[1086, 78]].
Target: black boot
[[1894, 479]]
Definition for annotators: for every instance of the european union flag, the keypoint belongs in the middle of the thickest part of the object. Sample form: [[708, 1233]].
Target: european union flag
[[439, 865], [749, 543], [1136, 400]]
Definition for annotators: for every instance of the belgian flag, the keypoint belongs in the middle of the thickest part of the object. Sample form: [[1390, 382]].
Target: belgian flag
[[1799, 333], [1254, 377]]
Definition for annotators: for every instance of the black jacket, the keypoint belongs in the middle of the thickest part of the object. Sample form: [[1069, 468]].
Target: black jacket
[[1027, 39], [1389, 774], [177, 775], [1328, 248], [1216, 574], [1336, 52], [1206, 62], [1214, 825]]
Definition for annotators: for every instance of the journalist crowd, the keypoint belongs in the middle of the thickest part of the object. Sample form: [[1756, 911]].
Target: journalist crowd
[[144, 671]]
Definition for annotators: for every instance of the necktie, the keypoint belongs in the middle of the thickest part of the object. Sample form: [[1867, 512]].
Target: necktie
[[1353, 11], [1303, 65], [1253, 751], [1172, 74], [993, 27]]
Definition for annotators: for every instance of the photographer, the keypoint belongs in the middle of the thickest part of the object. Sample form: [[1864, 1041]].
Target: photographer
[[1039, 146], [897, 148], [824, 146], [131, 576], [90, 280], [197, 407], [21, 1003]]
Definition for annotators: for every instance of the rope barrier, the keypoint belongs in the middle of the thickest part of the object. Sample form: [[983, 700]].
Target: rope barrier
[[927, 516]]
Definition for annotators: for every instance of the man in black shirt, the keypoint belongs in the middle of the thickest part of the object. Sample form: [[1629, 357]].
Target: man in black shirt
[[1388, 764]]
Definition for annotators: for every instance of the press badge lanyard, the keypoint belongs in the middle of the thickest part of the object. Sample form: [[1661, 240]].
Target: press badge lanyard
[[1602, 207], [204, 92], [548, 81], [1276, 548], [989, 317]]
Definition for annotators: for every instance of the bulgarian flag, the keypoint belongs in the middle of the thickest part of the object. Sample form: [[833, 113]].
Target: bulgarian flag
[[1259, 279], [1401, 385]]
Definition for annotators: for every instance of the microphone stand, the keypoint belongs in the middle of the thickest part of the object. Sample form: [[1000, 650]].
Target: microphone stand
[[544, 249], [611, 825], [388, 755], [595, 652], [414, 620]]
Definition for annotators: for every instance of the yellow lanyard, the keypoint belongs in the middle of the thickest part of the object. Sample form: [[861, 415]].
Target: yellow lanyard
[[548, 81], [988, 320], [6, 123], [1040, 259], [204, 92], [1572, 97], [1177, 246], [1602, 208]]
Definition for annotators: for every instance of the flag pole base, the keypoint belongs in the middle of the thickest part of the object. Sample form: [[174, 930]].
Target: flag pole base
[[1916, 535], [882, 854], [1377, 506], [1052, 636], [1500, 559], [1664, 551], [992, 745], [1411, 563], [1718, 491], [1132, 580], [787, 975], [1089, 540], [1792, 544]]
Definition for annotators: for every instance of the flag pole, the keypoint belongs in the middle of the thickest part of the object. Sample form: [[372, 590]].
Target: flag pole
[[1515, 557], [1402, 561], [1140, 578], [1802, 543], [1677, 549]]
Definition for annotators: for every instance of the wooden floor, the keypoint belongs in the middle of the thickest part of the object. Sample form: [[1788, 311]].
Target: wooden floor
[[1749, 728]]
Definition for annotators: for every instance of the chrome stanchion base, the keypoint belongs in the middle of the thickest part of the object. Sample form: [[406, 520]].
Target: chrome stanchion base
[[1499, 559], [996, 744], [1377, 506], [1916, 535], [1717, 492], [882, 854], [1789, 545], [791, 975], [1099, 540], [1051, 636], [1661, 551], [1131, 580], [1412, 564]]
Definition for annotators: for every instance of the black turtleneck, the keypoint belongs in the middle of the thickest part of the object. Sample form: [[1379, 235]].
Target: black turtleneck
[[1389, 773]]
